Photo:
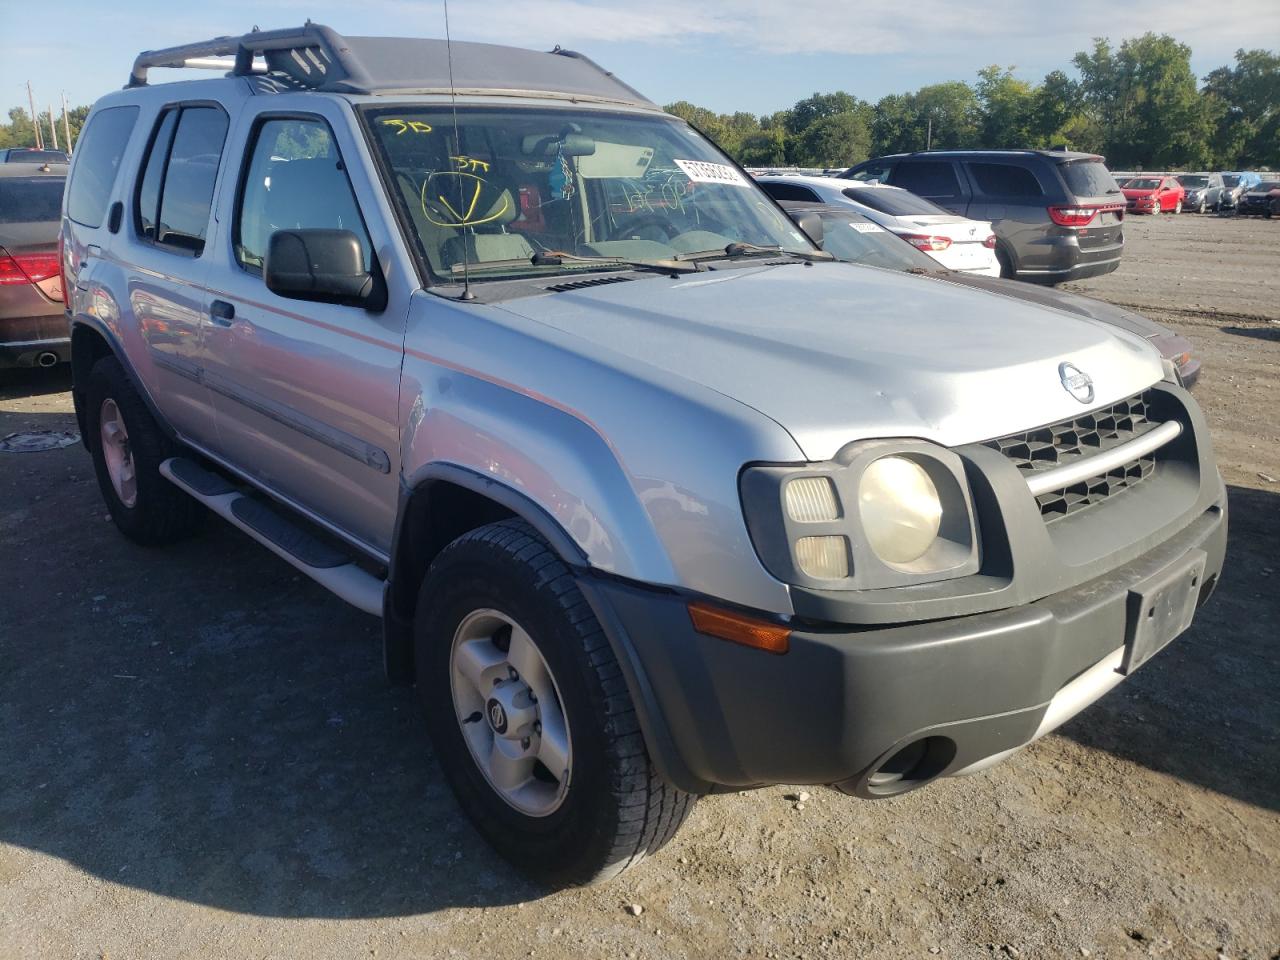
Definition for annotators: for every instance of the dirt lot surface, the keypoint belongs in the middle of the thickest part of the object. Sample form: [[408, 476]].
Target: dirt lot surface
[[199, 756]]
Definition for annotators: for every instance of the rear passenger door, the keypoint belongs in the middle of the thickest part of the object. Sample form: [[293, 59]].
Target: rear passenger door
[[168, 260], [1012, 198], [936, 180], [306, 392]]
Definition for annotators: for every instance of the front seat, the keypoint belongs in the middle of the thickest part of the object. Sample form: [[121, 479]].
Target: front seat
[[476, 210]]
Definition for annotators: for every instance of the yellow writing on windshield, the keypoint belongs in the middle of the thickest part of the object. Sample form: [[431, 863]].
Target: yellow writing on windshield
[[406, 126]]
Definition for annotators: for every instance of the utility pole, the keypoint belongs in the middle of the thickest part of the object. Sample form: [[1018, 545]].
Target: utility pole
[[53, 128], [66, 122], [928, 137], [35, 117]]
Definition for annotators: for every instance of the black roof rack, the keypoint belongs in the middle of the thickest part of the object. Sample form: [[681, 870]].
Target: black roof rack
[[315, 57]]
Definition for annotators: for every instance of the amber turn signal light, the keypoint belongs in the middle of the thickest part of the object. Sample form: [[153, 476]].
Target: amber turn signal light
[[736, 628]]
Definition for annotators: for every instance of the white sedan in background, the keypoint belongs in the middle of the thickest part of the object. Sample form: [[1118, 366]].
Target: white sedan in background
[[957, 243]]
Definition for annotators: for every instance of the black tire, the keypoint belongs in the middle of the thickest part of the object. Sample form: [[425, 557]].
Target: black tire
[[1006, 264], [161, 513], [616, 810]]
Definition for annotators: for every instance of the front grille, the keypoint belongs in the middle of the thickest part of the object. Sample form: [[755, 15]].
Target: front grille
[[1060, 444]]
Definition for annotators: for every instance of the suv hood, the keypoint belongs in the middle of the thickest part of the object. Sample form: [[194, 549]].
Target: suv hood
[[839, 352]]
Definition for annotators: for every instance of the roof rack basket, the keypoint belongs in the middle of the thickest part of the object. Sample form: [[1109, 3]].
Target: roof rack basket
[[312, 54]]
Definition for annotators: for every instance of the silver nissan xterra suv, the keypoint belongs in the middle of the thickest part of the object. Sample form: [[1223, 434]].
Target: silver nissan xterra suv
[[653, 499]]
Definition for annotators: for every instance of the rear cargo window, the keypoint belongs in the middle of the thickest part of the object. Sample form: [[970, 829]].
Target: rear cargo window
[[931, 179], [896, 203], [97, 162], [35, 200], [790, 191], [1005, 180], [1088, 178]]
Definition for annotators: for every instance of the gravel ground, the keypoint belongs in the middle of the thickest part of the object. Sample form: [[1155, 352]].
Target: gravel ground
[[199, 756]]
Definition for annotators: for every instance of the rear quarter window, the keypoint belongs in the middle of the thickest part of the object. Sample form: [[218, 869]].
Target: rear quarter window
[[1088, 178], [30, 200], [1005, 180], [98, 156]]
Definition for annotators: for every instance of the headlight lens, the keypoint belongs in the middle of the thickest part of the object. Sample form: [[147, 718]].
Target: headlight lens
[[812, 500], [823, 558], [900, 509]]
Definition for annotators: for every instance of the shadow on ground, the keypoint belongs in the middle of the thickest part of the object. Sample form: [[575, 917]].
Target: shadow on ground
[[1204, 710], [35, 381], [203, 723], [1258, 333]]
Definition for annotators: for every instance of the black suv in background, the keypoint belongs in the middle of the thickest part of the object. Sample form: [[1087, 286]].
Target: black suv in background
[[1057, 215]]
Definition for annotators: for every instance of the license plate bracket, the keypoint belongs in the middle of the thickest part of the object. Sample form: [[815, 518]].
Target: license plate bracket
[[1162, 607]]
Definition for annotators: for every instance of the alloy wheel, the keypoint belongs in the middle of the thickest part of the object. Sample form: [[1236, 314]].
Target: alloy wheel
[[509, 710], [117, 454]]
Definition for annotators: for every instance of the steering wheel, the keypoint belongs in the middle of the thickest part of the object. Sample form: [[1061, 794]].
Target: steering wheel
[[648, 223]]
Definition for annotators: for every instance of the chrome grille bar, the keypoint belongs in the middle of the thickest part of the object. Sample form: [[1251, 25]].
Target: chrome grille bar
[[1059, 478]]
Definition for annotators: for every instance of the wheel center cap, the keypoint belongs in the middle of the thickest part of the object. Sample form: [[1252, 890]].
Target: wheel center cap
[[510, 710], [497, 716]]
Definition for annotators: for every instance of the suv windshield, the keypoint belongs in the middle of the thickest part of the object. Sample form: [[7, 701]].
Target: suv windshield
[[1194, 181], [896, 203], [511, 184]]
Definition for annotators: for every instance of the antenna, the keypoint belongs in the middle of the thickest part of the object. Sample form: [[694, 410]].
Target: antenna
[[457, 138]]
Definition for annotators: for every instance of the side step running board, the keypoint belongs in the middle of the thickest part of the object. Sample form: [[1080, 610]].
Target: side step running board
[[289, 541]]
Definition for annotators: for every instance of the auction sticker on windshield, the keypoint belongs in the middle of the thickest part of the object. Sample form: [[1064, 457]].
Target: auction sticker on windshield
[[701, 171], [866, 228]]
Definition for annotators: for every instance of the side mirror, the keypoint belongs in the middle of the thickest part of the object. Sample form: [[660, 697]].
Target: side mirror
[[322, 265], [811, 223]]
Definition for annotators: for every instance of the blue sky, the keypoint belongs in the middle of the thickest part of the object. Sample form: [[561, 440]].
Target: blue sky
[[755, 55]]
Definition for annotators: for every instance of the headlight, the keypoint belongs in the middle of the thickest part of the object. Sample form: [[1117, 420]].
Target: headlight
[[880, 513], [900, 509]]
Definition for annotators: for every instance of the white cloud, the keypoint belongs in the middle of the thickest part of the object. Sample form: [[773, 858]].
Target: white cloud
[[922, 27]]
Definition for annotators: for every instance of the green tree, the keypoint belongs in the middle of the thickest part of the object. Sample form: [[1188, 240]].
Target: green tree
[[1008, 109], [767, 148], [1144, 98], [1244, 101], [838, 140]]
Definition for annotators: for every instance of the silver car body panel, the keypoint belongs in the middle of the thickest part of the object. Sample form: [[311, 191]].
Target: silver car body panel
[[626, 412]]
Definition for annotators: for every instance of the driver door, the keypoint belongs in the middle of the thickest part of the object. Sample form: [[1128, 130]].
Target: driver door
[[306, 393]]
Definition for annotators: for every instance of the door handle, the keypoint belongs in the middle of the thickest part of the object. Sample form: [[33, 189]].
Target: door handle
[[222, 312]]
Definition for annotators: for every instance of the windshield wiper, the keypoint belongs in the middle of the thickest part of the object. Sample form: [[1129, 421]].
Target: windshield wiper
[[740, 248], [573, 260], [558, 258]]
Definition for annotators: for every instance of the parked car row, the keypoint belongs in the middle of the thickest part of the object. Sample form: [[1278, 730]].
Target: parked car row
[[1223, 192], [1057, 215]]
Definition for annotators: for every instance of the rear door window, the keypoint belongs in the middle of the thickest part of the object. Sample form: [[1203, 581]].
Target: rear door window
[[790, 191], [933, 179], [1088, 178], [1004, 180], [175, 195], [98, 156]]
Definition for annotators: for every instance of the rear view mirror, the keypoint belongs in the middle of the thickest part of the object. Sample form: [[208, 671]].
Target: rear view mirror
[[811, 223], [323, 265]]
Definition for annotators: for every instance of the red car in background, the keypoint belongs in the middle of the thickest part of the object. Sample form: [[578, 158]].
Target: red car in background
[[1154, 194]]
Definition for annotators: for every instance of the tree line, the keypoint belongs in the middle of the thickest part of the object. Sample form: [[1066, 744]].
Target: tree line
[[1138, 104]]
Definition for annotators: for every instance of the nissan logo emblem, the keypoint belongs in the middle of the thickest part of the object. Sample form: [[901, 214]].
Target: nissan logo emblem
[[1076, 382], [497, 716]]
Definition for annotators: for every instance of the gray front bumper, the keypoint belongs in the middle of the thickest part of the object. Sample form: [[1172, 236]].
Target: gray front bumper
[[843, 699]]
